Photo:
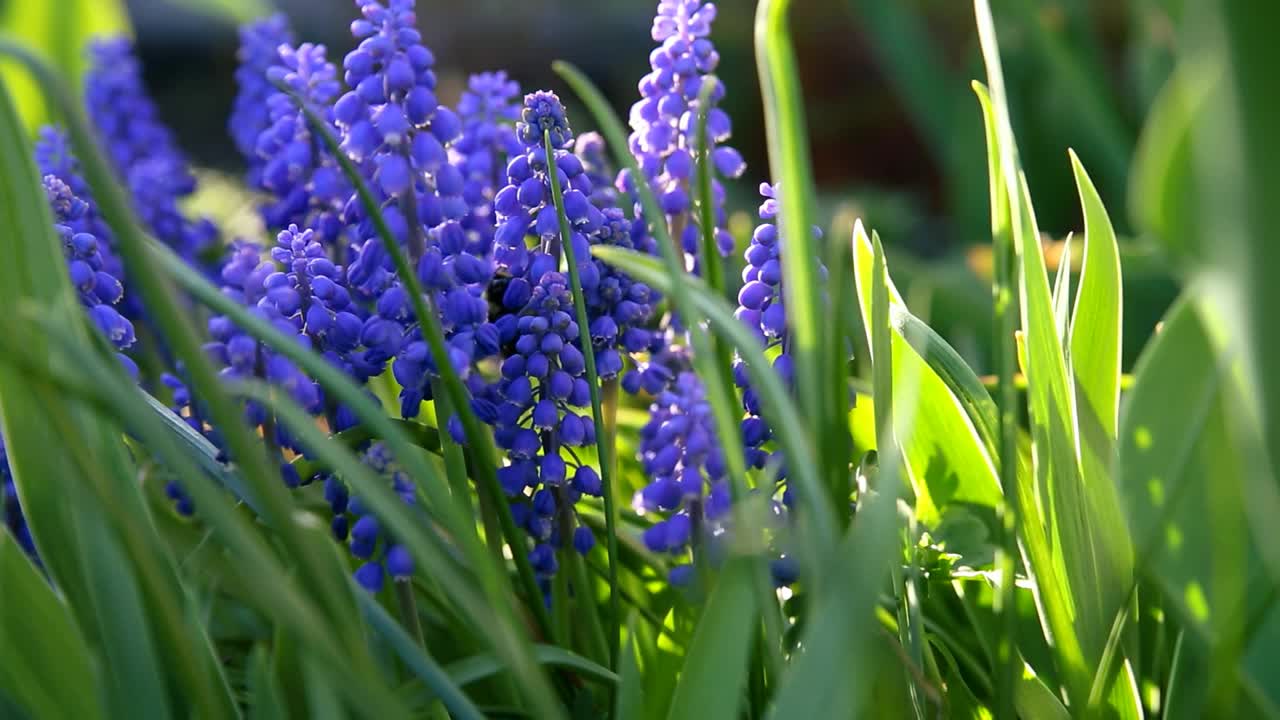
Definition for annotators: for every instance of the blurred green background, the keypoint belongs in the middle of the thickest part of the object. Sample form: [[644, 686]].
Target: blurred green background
[[895, 129]]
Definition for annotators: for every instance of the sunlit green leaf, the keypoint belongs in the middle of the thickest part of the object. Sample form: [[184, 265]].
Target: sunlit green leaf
[[947, 459]]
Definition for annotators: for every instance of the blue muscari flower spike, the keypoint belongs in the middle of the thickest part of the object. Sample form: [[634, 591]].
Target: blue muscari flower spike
[[394, 128], [685, 463], [305, 295], [457, 280], [664, 128], [99, 290], [688, 488], [488, 110], [143, 150], [392, 123], [54, 157], [257, 284], [618, 307], [369, 541], [524, 206], [591, 149], [761, 309], [680, 453], [260, 41], [310, 294], [536, 405], [308, 185], [13, 517]]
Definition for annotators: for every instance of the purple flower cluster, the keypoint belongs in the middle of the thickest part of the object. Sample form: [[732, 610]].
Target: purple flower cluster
[[394, 126], [468, 196], [98, 289], [761, 309], [590, 147], [618, 306], [144, 152], [488, 110], [679, 451], [534, 405], [260, 43], [369, 542], [664, 138], [303, 177]]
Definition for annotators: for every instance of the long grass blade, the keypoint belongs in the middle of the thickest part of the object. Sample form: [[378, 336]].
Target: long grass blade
[[163, 306], [714, 674], [49, 674], [1090, 550], [427, 670], [478, 667], [788, 141], [103, 383]]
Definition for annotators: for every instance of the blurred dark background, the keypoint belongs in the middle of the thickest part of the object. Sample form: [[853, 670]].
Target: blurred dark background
[[894, 125], [890, 108]]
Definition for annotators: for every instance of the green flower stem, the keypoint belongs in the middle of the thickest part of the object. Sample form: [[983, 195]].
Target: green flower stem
[[603, 447], [409, 611], [455, 462], [586, 595]]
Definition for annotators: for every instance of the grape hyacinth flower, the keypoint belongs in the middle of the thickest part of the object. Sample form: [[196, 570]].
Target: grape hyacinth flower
[[99, 291], [308, 186], [543, 378], [143, 150], [618, 307], [686, 466], [680, 453], [258, 285], [368, 540], [524, 206], [761, 309], [591, 149], [54, 157], [488, 110], [394, 127], [456, 281], [260, 41], [310, 295], [664, 138]]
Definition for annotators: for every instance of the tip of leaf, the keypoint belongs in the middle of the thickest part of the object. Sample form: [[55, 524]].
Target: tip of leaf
[[859, 231], [876, 247], [1075, 160]]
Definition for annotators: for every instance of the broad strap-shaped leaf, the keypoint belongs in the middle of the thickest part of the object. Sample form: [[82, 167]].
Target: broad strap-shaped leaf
[[1082, 560], [946, 458], [715, 668], [1062, 293], [45, 664], [1191, 482], [1095, 361], [1096, 322]]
